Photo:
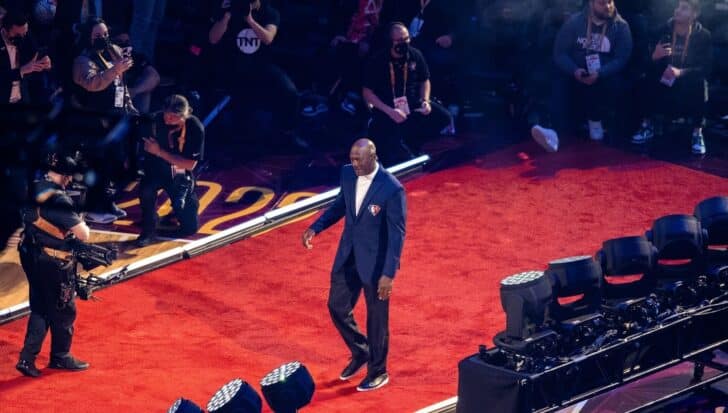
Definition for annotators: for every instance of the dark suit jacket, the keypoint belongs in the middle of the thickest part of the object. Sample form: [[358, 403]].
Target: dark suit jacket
[[376, 235], [7, 75]]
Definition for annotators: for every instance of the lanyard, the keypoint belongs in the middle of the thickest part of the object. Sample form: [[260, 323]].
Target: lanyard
[[392, 80], [423, 5], [180, 140], [588, 43], [684, 53]]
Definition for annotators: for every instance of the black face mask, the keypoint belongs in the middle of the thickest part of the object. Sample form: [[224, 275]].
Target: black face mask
[[16, 40], [402, 49], [100, 43]]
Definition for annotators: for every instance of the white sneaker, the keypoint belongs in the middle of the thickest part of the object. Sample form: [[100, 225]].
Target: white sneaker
[[547, 138], [596, 131]]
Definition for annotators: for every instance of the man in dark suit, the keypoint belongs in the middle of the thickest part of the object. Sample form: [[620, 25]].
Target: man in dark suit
[[18, 58], [372, 202]]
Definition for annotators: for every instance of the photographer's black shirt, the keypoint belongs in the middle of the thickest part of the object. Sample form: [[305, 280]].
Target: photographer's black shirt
[[241, 42], [377, 76], [190, 147]]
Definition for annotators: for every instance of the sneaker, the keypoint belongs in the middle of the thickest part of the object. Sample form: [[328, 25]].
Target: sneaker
[[145, 239], [596, 131], [354, 366], [547, 138], [101, 217], [698, 143], [27, 368], [645, 133], [348, 105], [314, 110], [448, 130], [369, 384], [120, 213]]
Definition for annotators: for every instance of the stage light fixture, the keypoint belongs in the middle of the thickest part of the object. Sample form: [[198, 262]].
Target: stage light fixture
[[578, 277], [680, 241], [713, 216], [525, 297], [235, 397], [182, 405], [288, 387], [631, 258]]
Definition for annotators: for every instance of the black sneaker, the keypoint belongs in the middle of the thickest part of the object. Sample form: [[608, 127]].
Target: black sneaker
[[27, 368], [145, 239], [351, 368], [374, 383], [68, 363]]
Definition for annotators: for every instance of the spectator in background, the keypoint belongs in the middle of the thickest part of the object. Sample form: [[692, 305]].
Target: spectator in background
[[590, 52], [245, 32], [99, 74], [676, 83], [354, 24], [147, 16], [19, 60], [142, 79], [431, 25], [397, 86]]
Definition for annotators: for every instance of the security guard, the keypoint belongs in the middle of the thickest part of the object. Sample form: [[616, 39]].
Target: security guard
[[51, 268]]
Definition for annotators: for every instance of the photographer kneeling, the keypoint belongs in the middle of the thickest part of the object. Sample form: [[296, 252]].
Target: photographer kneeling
[[175, 146], [51, 268]]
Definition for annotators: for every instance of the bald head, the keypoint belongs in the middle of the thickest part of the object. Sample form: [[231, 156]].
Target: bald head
[[363, 156]]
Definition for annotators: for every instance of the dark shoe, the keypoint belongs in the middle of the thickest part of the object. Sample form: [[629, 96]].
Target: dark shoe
[[27, 368], [145, 239], [68, 363], [351, 368], [373, 383], [118, 212]]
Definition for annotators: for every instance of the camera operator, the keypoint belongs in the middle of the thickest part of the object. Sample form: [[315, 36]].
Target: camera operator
[[51, 268], [245, 30], [176, 144]]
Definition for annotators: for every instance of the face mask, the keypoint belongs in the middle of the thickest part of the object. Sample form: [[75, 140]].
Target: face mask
[[100, 43], [401, 49], [16, 40]]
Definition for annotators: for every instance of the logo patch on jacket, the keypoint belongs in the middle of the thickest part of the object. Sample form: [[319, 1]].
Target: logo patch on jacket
[[374, 209]]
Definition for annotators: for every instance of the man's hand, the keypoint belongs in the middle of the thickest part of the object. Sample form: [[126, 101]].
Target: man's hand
[[425, 108], [307, 237], [384, 290], [444, 41], [671, 72], [661, 50], [45, 62], [397, 115], [591, 79], [249, 17], [35, 65], [580, 74], [152, 146]]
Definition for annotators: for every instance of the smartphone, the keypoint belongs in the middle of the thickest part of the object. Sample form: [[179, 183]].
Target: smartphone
[[666, 39], [42, 51]]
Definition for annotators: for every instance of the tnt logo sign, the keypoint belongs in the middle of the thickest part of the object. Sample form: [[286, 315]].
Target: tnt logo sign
[[248, 41]]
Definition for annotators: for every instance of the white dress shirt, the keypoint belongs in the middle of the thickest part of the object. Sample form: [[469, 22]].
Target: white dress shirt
[[362, 186]]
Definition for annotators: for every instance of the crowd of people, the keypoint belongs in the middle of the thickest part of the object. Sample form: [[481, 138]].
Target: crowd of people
[[410, 65]]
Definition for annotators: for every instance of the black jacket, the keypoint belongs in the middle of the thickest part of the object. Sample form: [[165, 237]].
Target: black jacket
[[698, 61], [7, 75]]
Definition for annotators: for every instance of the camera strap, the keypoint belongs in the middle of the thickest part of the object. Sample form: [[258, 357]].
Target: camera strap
[[684, 53], [50, 229]]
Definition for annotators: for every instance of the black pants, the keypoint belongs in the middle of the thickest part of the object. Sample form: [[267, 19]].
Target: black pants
[[389, 136], [595, 102], [346, 286], [687, 100], [47, 310], [186, 214]]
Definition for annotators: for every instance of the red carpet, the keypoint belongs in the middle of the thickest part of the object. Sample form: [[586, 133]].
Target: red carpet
[[242, 310]]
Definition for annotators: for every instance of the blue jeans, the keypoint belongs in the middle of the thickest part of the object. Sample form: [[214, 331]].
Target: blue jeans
[[148, 14]]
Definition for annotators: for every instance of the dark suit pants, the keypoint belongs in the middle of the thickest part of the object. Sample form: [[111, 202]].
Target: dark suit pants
[[346, 287], [45, 275]]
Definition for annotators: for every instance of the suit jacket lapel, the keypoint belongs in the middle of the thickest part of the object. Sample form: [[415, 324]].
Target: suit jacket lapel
[[373, 188], [350, 189]]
